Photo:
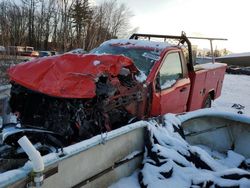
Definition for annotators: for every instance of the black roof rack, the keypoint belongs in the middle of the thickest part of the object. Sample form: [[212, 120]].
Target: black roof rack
[[182, 40], [138, 35]]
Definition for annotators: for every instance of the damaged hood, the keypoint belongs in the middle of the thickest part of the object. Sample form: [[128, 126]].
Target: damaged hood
[[68, 75]]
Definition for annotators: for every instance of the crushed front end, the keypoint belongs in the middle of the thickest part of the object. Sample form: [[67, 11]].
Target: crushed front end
[[65, 99]]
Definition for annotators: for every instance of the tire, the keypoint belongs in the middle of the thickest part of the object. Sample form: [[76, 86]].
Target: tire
[[207, 102]]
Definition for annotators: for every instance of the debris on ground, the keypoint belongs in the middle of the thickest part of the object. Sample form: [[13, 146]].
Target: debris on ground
[[238, 106]]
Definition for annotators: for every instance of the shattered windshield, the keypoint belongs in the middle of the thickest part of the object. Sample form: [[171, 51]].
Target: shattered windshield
[[143, 58]]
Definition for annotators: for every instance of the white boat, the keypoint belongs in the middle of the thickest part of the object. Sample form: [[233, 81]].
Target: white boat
[[104, 159]]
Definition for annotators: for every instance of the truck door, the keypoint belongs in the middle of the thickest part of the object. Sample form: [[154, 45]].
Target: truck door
[[172, 84]]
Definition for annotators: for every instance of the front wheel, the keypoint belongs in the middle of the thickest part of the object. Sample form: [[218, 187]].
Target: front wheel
[[208, 102]]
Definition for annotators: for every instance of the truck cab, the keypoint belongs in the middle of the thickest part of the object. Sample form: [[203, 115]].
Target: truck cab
[[174, 84], [170, 83], [177, 89]]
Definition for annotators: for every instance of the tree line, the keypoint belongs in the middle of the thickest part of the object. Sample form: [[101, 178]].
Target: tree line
[[61, 24]]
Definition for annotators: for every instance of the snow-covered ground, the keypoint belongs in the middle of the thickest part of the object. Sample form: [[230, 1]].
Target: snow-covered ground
[[234, 98], [236, 90]]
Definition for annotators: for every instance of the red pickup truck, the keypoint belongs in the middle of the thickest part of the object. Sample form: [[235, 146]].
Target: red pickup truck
[[74, 97]]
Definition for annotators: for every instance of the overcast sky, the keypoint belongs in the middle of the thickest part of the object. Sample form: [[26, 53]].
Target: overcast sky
[[208, 18]]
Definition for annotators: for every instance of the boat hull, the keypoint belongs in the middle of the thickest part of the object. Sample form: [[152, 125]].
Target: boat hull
[[220, 132]]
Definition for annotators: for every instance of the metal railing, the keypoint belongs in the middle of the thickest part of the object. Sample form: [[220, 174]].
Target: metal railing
[[181, 41]]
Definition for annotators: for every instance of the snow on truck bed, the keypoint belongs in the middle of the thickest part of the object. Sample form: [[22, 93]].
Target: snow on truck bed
[[208, 66]]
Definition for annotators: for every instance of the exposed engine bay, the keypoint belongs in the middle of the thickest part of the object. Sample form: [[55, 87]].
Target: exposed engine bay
[[78, 119]]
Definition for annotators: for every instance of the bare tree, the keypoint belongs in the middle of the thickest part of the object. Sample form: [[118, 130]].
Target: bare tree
[[61, 24], [110, 20]]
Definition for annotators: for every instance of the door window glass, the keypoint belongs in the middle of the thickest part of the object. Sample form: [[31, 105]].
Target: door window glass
[[171, 70]]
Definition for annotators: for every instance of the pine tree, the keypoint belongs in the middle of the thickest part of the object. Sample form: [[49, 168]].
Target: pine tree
[[80, 14]]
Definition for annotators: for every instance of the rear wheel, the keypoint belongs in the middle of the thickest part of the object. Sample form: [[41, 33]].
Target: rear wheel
[[208, 102]]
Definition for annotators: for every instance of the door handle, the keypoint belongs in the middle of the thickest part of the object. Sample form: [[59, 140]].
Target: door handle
[[183, 89]]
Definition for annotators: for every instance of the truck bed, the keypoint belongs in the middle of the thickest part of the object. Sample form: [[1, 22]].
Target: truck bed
[[207, 79]]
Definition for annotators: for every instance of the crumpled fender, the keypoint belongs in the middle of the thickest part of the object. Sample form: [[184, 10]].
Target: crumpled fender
[[68, 75]]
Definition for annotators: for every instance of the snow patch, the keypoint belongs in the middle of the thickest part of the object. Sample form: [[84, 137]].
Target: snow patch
[[233, 160], [151, 56], [138, 43], [168, 84], [171, 119], [11, 176], [235, 90], [131, 155], [141, 77], [96, 62], [209, 66]]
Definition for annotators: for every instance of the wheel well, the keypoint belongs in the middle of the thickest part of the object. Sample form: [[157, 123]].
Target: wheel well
[[212, 94]]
